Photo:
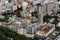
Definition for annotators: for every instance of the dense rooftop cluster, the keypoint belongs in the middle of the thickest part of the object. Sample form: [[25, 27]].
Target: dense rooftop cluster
[[29, 19]]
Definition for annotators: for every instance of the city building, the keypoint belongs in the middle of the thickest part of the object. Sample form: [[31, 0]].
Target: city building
[[45, 29], [26, 21], [58, 24], [22, 31], [31, 9], [31, 30], [14, 7], [58, 38], [1, 17], [24, 5], [30, 23]]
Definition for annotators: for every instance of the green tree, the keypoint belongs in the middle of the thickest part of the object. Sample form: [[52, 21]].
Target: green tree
[[13, 34]]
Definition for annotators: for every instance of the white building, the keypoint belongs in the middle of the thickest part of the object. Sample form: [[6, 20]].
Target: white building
[[31, 30], [24, 5]]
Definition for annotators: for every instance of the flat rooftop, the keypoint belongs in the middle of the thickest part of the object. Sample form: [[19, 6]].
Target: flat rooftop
[[45, 28]]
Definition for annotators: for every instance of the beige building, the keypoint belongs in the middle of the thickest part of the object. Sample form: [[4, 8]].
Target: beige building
[[14, 7], [26, 21], [45, 29], [15, 0], [58, 25], [22, 31], [45, 8], [31, 9], [23, 13], [42, 9], [55, 0], [50, 7]]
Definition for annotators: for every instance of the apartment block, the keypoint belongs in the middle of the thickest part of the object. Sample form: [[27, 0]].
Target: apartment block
[[14, 7], [45, 30]]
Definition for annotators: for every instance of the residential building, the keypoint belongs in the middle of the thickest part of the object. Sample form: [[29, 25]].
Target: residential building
[[58, 38], [58, 24], [31, 9], [1, 17], [14, 7], [24, 5], [40, 15], [30, 30], [22, 31], [45, 30], [26, 21]]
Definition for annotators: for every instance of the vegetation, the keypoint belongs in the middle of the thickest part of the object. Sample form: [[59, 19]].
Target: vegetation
[[4, 19], [2, 36], [46, 18], [9, 0], [57, 28], [20, 9], [8, 14], [34, 14], [12, 34], [5, 32], [16, 12]]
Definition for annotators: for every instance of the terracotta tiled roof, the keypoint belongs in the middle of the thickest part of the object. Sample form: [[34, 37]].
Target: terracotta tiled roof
[[44, 28]]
